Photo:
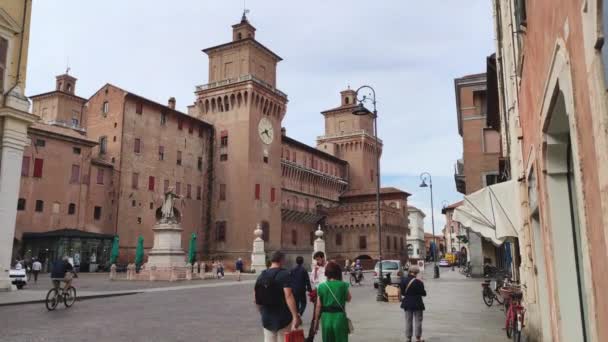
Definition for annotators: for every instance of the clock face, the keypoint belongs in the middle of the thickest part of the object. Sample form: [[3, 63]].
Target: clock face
[[265, 131]]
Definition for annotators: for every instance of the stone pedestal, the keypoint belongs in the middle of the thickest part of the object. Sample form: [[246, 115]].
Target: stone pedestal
[[167, 251], [258, 256]]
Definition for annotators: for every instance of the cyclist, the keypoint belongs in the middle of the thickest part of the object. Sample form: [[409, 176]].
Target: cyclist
[[62, 271], [357, 271]]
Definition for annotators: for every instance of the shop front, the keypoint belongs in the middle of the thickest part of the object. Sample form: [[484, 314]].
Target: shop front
[[89, 252]]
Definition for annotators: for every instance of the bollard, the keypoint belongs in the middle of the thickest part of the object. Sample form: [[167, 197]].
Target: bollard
[[113, 272], [188, 271]]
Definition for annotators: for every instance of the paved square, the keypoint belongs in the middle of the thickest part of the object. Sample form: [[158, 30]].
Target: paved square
[[455, 312]]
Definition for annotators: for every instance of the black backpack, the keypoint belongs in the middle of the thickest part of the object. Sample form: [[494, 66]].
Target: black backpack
[[268, 291]]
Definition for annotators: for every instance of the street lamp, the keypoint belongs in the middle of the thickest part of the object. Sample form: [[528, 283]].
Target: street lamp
[[424, 177], [360, 110]]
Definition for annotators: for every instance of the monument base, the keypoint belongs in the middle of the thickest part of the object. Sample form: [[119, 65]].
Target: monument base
[[167, 251]]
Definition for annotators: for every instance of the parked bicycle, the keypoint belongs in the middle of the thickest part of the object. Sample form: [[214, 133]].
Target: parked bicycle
[[466, 270], [59, 294], [515, 317]]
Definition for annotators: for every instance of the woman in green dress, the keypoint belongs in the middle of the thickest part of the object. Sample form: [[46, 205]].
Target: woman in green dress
[[331, 301]]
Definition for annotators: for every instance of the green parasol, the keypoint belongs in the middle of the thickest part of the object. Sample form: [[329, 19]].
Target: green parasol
[[114, 253], [192, 250], [139, 252]]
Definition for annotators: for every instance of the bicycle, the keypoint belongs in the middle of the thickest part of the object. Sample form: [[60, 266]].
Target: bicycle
[[486, 293], [353, 277], [514, 322], [466, 270], [57, 294]]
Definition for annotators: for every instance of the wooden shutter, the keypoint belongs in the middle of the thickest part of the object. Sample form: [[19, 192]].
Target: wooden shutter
[[151, 182], [38, 165]]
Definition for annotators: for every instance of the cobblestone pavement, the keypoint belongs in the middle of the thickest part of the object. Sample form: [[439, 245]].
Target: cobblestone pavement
[[455, 312]]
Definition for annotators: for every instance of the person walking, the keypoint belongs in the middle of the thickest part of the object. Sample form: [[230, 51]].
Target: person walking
[[220, 269], [332, 296], [36, 268], [412, 290], [239, 268], [301, 284], [275, 300]]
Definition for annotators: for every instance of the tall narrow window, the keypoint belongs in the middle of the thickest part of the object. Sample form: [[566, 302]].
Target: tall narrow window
[[200, 130], [363, 242], [180, 123], [272, 195], [371, 176], [188, 191], [178, 188], [3, 60], [97, 213], [38, 165], [139, 108], [25, 166], [100, 175], [224, 138], [39, 206], [71, 209], [198, 192], [151, 182], [75, 176], [163, 119], [135, 180], [161, 153], [338, 239], [166, 186], [21, 204], [179, 157], [401, 243], [137, 145], [191, 127], [105, 108], [388, 242], [394, 242], [257, 191], [103, 144], [220, 231], [294, 237], [199, 163], [295, 159], [222, 192]]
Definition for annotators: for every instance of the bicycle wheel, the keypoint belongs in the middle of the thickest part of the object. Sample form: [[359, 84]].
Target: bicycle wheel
[[499, 299], [510, 325], [488, 298], [52, 299], [69, 296]]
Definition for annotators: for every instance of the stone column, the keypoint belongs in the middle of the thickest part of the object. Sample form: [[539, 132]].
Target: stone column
[[258, 256], [319, 244], [14, 121]]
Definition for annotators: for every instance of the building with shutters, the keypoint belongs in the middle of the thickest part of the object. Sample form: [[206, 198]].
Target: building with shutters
[[229, 157]]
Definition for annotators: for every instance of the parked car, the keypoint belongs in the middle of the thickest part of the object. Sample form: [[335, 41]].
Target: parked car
[[18, 277], [444, 263], [392, 267]]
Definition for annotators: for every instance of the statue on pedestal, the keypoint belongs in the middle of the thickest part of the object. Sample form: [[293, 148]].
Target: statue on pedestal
[[167, 212]]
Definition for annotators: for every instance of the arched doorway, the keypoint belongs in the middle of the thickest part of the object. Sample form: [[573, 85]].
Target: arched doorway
[[563, 219]]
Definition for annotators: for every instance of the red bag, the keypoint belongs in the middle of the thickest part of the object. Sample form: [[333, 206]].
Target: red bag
[[295, 336]]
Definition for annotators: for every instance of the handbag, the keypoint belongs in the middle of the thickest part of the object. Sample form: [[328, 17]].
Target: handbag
[[294, 336], [351, 328]]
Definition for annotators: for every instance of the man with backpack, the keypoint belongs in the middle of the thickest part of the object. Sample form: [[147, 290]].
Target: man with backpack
[[300, 284], [275, 300]]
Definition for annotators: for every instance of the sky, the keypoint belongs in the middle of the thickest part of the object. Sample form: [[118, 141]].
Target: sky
[[409, 51]]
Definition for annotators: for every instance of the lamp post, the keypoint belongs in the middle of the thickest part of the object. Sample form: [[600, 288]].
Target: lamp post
[[362, 111], [424, 177]]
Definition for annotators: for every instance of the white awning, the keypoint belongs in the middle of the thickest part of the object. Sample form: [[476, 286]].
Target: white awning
[[492, 211]]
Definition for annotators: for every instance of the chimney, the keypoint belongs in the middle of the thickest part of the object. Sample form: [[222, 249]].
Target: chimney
[[171, 102]]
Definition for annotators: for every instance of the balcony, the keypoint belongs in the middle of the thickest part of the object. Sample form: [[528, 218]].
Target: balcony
[[298, 213], [240, 79], [459, 178]]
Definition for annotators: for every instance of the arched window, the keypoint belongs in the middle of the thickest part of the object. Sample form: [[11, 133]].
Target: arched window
[[346, 100], [239, 36]]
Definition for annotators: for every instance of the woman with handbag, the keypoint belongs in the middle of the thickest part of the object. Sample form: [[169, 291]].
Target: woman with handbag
[[331, 301], [412, 290]]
